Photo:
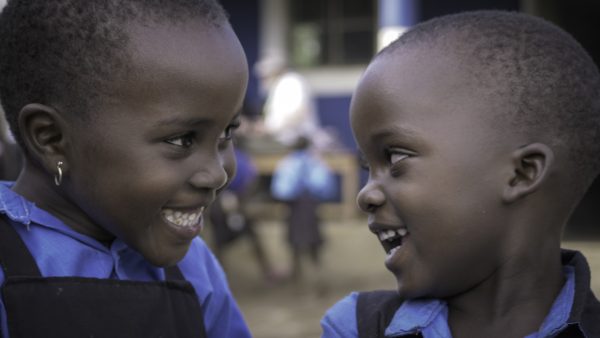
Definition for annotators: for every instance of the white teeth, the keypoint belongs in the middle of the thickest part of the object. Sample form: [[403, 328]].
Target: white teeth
[[391, 234], [183, 219]]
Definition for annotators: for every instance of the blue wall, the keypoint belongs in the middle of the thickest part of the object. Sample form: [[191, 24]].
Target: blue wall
[[244, 18], [333, 112]]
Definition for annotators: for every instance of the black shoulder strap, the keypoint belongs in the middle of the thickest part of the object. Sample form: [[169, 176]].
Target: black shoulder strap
[[173, 273], [374, 312], [15, 258]]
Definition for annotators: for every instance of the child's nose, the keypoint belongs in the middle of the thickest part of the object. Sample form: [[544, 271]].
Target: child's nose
[[370, 197], [210, 175]]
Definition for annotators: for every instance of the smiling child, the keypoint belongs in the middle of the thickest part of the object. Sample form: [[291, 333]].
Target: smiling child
[[125, 112], [481, 133]]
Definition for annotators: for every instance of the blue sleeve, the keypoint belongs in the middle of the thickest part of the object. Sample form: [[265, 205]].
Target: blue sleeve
[[222, 316], [340, 320]]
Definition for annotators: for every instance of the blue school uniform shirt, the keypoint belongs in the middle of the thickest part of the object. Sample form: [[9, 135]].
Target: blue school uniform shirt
[[61, 251], [300, 172], [429, 317]]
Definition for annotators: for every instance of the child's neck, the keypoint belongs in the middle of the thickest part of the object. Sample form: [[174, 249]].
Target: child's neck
[[512, 303]]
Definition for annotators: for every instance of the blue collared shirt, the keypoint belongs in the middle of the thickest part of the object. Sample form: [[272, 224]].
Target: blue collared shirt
[[61, 251], [430, 316]]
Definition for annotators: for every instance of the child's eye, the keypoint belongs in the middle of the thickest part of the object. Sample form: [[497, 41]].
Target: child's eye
[[397, 157], [227, 134], [183, 141]]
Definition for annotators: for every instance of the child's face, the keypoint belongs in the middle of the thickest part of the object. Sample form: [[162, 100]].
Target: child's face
[[436, 169], [157, 152]]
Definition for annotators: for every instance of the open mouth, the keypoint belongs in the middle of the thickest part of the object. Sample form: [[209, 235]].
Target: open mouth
[[391, 239], [183, 219]]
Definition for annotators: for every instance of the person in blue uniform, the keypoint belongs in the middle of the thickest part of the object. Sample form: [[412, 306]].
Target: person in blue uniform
[[303, 181], [125, 112], [480, 132]]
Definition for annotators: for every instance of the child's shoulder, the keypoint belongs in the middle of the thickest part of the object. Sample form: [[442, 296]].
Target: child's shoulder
[[340, 319], [199, 252], [201, 264]]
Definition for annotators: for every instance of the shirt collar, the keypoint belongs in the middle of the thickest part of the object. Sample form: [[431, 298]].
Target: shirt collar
[[415, 315], [14, 205], [558, 317], [419, 315], [23, 211], [583, 316]]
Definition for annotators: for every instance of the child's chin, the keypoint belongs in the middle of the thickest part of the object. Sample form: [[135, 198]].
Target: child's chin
[[165, 260]]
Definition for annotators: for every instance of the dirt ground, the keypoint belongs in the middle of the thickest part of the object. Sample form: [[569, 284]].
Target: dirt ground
[[352, 259]]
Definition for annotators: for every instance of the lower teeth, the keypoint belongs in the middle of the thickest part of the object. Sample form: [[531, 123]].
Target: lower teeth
[[394, 249]]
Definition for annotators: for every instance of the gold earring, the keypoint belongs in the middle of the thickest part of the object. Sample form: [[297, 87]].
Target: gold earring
[[59, 175]]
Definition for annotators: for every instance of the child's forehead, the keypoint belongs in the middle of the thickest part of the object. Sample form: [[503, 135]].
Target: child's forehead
[[193, 50], [427, 74], [143, 37], [422, 87]]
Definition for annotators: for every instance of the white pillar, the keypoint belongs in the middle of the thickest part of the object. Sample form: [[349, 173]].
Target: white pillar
[[274, 26], [395, 17]]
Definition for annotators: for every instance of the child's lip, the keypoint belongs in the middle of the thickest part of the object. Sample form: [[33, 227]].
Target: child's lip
[[377, 227], [185, 222], [390, 236]]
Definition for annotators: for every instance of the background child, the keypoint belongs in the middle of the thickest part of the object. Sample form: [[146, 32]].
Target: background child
[[481, 133], [303, 181], [125, 111]]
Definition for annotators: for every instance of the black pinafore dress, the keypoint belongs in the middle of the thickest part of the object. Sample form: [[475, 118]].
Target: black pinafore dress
[[79, 307]]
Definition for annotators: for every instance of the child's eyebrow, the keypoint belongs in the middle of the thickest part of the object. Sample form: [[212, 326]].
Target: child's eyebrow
[[194, 121], [395, 131], [175, 120]]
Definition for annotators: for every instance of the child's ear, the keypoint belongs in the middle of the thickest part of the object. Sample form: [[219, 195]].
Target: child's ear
[[42, 130], [531, 164]]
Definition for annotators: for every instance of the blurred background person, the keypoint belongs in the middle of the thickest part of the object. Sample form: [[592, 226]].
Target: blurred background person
[[303, 181], [289, 110]]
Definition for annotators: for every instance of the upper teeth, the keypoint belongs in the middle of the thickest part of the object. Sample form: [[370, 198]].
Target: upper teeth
[[391, 234], [184, 219]]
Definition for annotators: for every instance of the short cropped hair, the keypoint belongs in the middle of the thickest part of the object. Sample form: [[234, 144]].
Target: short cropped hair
[[70, 51], [545, 81]]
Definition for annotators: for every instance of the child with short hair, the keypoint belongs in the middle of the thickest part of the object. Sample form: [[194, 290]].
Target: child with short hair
[[481, 133], [125, 112]]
